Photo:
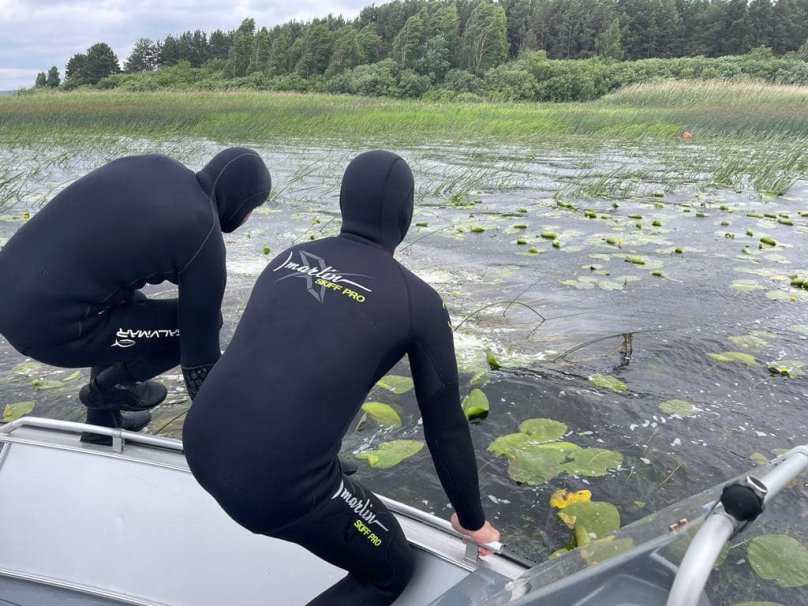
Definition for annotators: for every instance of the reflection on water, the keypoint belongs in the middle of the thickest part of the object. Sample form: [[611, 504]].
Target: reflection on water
[[642, 289]]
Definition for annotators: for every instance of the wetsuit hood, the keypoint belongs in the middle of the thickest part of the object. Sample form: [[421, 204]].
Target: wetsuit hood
[[238, 181], [376, 198]]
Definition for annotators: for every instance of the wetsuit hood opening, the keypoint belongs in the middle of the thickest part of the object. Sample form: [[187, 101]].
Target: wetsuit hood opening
[[238, 181], [376, 198]]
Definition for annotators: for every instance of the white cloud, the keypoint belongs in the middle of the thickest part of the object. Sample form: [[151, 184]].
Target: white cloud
[[36, 34]]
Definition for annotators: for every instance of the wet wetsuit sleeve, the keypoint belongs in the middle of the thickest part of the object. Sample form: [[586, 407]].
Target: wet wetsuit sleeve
[[434, 371], [201, 289]]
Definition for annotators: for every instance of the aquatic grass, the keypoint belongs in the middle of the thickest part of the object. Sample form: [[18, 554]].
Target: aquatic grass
[[717, 106], [745, 135], [634, 113]]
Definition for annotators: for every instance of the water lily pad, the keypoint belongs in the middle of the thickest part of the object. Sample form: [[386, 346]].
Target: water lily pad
[[12, 412], [610, 285], [786, 368], [509, 444], [745, 285], [748, 341], [597, 517], [563, 498], [46, 384], [734, 356], [604, 549], [382, 413], [27, 368], [779, 558], [536, 466], [72, 376], [758, 458], [683, 408], [396, 383], [592, 462], [390, 454], [580, 285], [779, 295], [800, 328], [543, 430], [475, 404], [608, 382]]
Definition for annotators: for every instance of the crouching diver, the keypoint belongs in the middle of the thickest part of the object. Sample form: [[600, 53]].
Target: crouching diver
[[73, 274], [326, 320]]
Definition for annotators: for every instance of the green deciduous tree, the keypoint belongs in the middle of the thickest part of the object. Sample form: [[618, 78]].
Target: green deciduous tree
[[41, 80], [53, 79], [315, 53], [346, 52], [98, 63], [369, 43], [243, 48], [408, 46], [444, 21], [485, 43], [101, 62], [74, 70], [803, 51], [219, 44], [608, 44], [259, 62], [143, 57]]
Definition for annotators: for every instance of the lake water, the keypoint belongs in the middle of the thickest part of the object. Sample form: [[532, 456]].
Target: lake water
[[642, 289]]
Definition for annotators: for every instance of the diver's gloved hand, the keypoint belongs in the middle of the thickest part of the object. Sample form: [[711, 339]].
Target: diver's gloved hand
[[194, 377]]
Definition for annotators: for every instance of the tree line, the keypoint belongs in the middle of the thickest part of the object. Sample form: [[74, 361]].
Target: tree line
[[430, 42]]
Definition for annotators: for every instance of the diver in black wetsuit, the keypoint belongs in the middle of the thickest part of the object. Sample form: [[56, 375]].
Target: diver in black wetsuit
[[325, 321], [71, 276]]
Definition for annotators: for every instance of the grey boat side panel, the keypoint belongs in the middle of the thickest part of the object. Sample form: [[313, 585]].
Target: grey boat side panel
[[152, 532], [85, 518], [16, 592]]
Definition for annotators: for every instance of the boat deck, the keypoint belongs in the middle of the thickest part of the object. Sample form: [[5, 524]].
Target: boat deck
[[133, 527]]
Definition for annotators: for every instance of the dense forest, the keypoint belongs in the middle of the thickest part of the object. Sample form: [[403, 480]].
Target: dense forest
[[511, 49]]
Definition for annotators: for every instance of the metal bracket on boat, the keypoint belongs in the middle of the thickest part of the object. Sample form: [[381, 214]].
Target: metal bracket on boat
[[472, 553]]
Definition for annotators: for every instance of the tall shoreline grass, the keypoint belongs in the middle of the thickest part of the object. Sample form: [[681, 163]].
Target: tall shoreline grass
[[715, 109], [745, 135]]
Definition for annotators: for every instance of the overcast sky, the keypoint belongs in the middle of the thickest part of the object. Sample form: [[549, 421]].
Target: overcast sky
[[36, 34]]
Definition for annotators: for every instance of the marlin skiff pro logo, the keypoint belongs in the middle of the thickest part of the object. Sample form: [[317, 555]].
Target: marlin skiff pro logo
[[126, 337], [321, 277], [364, 509]]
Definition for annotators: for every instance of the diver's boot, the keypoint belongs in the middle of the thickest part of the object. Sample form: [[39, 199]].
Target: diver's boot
[[115, 420], [348, 467], [113, 388]]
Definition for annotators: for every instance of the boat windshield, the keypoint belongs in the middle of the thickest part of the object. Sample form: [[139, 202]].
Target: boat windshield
[[765, 563]]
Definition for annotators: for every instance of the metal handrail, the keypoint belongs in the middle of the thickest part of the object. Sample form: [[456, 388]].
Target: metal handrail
[[720, 526], [436, 522], [119, 436]]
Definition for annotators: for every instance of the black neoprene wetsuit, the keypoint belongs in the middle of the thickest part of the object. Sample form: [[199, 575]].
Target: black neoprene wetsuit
[[71, 273], [326, 320]]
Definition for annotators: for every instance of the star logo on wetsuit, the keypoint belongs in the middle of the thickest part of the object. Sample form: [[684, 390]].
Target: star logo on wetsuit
[[320, 277]]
